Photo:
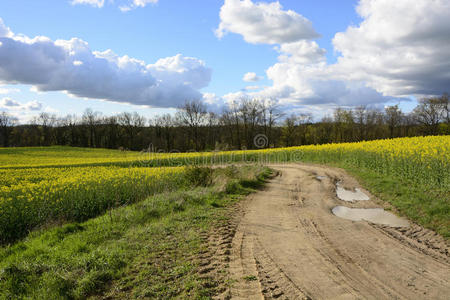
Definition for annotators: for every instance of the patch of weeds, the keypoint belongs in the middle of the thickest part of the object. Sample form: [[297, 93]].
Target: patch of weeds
[[199, 176], [250, 278]]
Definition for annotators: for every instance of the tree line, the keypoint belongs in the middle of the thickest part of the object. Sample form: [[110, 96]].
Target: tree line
[[193, 127]]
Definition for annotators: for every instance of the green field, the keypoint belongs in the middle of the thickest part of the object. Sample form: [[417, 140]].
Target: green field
[[59, 184], [80, 222]]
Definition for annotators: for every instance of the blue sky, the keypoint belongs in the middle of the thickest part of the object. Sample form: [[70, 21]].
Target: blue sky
[[170, 27]]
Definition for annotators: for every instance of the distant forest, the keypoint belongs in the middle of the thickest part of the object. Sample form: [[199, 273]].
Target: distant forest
[[193, 127]]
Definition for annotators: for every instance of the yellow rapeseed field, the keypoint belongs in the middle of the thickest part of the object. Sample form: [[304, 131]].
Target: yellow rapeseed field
[[30, 197], [62, 183]]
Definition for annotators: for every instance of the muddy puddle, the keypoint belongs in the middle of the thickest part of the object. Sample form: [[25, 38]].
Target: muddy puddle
[[350, 196], [374, 215]]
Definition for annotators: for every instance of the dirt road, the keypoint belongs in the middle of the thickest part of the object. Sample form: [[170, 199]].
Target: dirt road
[[288, 244]]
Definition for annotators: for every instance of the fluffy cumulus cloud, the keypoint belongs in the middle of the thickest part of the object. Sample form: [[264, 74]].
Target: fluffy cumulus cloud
[[71, 66], [301, 52], [251, 77], [264, 23], [315, 83], [400, 48]]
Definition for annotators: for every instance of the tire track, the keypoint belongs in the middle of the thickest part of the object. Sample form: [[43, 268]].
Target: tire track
[[288, 245]]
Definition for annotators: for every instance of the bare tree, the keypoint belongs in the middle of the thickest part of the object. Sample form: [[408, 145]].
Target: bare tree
[[91, 119], [193, 115], [289, 131], [70, 122], [393, 116], [112, 131], [295, 129], [235, 115], [226, 120], [131, 123], [165, 125], [360, 113], [374, 124], [429, 113], [45, 123], [250, 111], [213, 122], [303, 120], [343, 125], [445, 102], [6, 123], [270, 115]]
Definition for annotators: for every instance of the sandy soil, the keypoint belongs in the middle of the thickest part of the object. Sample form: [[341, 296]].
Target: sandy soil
[[286, 243]]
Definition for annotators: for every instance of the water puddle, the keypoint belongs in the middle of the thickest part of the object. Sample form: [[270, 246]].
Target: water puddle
[[350, 196], [374, 215]]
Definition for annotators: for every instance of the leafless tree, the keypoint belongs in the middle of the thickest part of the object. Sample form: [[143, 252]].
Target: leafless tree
[[295, 129], [164, 125], [445, 102], [429, 113], [289, 130], [270, 115], [193, 115], [131, 123], [45, 123], [6, 123], [251, 114], [393, 116], [91, 119], [226, 120], [360, 113]]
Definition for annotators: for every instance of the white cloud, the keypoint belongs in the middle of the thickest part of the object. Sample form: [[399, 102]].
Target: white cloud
[[252, 87], [251, 77], [313, 82], [301, 52], [301, 76], [126, 5], [263, 22], [9, 104], [401, 47], [71, 66], [4, 91], [136, 4], [4, 31], [24, 112], [95, 3]]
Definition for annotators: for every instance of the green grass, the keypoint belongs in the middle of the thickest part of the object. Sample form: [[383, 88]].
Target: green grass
[[429, 207], [142, 250]]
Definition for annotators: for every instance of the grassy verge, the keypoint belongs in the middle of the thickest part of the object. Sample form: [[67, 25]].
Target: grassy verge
[[422, 204], [141, 250]]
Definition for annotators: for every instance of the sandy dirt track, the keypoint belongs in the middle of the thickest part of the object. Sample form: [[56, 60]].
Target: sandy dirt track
[[287, 244]]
